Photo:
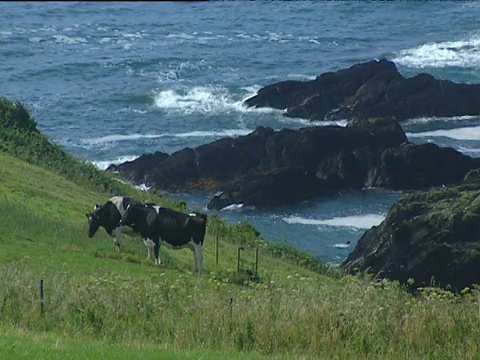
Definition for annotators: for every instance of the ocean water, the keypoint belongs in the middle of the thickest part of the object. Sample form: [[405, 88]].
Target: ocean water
[[111, 81]]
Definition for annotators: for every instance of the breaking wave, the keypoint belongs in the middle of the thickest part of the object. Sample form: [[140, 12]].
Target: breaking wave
[[463, 133], [203, 100], [356, 221], [461, 53]]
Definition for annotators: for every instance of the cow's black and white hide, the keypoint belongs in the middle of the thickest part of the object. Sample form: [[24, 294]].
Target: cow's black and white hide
[[164, 226], [109, 215]]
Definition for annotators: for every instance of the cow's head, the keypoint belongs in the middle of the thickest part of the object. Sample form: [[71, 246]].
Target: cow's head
[[94, 220]]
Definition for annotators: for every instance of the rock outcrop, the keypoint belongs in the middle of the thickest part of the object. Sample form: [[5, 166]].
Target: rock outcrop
[[432, 237], [270, 168], [371, 89]]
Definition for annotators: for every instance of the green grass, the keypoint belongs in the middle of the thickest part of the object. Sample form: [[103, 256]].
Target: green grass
[[99, 303], [102, 304], [20, 344]]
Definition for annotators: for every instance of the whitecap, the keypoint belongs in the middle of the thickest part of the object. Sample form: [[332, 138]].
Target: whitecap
[[426, 120], [203, 100], [181, 36], [306, 122], [119, 137], [132, 36], [252, 90], [130, 109], [232, 207], [63, 39], [342, 245], [469, 150], [35, 39], [108, 140], [356, 221], [463, 133], [102, 165], [303, 77], [460, 53], [214, 133]]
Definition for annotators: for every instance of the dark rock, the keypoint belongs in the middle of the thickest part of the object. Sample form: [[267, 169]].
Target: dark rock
[[139, 170], [273, 189], [269, 168], [432, 237], [368, 90], [411, 166]]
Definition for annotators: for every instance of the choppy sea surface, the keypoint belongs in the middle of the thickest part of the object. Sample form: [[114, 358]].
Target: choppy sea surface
[[110, 81]]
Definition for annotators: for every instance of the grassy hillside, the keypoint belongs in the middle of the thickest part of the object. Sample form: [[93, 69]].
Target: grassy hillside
[[102, 304]]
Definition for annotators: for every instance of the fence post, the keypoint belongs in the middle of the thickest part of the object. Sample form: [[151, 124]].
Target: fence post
[[216, 250], [240, 248], [41, 297], [256, 262]]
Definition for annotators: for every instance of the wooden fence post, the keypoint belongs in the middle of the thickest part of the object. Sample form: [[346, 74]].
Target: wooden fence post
[[256, 262], [240, 248], [41, 297], [216, 250]]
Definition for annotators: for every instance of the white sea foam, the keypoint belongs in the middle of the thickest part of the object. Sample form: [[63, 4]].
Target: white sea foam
[[109, 140], [131, 109], [181, 36], [252, 89], [202, 100], [302, 77], [63, 39], [137, 35], [307, 122], [279, 37], [469, 150], [341, 245], [232, 207], [214, 133], [35, 39], [358, 221], [102, 165], [461, 53], [117, 138], [426, 120], [463, 133]]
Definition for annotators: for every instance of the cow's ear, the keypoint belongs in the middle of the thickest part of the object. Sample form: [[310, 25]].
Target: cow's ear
[[87, 215], [97, 206]]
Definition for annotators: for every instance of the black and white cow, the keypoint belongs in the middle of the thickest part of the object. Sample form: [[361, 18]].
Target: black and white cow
[[164, 226], [109, 215]]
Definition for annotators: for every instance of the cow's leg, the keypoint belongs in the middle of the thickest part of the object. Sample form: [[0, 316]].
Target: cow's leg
[[195, 261], [157, 250], [160, 256], [198, 257], [117, 238], [150, 245]]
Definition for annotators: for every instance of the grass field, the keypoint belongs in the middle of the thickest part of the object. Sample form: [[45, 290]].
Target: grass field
[[99, 303]]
